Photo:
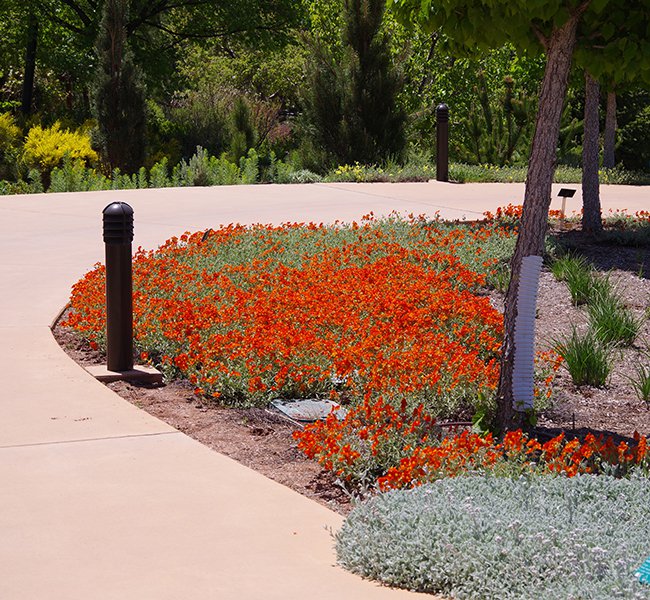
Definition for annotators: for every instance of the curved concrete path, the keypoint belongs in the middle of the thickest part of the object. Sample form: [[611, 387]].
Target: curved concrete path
[[99, 500]]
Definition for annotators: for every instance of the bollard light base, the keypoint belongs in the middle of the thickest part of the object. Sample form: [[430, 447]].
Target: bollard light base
[[140, 374]]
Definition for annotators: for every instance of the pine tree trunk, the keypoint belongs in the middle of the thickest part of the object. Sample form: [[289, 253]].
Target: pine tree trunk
[[610, 131], [30, 64], [537, 199], [591, 219]]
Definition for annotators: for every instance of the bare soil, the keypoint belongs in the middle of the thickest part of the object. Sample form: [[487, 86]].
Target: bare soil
[[262, 440]]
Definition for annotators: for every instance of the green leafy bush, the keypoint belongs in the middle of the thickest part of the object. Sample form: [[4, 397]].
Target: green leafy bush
[[390, 171], [633, 148], [479, 537], [73, 176], [497, 130], [465, 173], [9, 132], [158, 175]]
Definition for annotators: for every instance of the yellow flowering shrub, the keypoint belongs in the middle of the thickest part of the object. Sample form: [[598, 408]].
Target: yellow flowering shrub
[[9, 132], [45, 148]]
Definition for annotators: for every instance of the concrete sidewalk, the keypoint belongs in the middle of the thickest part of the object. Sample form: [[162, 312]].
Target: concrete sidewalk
[[100, 500]]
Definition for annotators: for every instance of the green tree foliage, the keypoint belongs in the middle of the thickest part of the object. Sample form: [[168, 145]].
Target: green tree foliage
[[157, 33], [119, 95], [244, 135], [556, 27], [633, 147], [614, 57], [351, 102], [499, 132]]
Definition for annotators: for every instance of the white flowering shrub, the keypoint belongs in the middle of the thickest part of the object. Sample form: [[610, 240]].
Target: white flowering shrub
[[542, 538]]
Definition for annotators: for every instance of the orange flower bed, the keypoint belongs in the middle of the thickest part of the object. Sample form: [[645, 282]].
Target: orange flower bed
[[378, 309], [378, 444]]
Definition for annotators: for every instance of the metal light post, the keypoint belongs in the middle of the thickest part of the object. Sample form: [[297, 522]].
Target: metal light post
[[118, 235], [442, 136]]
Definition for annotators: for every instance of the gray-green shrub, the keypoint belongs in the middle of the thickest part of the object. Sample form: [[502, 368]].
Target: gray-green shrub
[[548, 538]]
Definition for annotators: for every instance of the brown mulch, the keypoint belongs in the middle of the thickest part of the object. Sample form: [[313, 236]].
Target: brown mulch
[[262, 440], [614, 408]]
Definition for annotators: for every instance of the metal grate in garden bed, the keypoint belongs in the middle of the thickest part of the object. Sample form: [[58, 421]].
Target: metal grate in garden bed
[[307, 410]]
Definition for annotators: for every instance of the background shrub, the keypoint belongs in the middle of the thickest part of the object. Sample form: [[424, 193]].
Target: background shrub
[[9, 138], [45, 148], [633, 147]]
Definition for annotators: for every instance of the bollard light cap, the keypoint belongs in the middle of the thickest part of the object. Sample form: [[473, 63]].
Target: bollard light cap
[[118, 223], [442, 112]]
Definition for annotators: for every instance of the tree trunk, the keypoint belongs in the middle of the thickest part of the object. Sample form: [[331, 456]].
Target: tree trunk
[[591, 219], [30, 64], [537, 199], [610, 131]]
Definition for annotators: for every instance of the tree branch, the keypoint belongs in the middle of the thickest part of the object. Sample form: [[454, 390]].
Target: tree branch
[[85, 19], [209, 34], [149, 12], [65, 24], [543, 40], [425, 77]]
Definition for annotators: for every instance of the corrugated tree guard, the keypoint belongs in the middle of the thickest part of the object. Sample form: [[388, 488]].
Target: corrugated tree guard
[[118, 235], [442, 137]]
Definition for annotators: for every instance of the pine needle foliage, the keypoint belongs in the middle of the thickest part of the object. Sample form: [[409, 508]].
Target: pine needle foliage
[[119, 93], [498, 131], [350, 100]]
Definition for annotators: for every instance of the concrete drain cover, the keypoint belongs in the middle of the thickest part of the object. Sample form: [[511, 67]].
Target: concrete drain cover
[[308, 410]]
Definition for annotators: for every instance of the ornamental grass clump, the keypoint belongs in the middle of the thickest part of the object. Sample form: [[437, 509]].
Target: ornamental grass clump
[[578, 275], [641, 379], [567, 264], [587, 358], [612, 322], [546, 538]]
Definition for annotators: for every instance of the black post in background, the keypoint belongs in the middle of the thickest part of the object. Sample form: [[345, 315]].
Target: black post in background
[[442, 150], [118, 235]]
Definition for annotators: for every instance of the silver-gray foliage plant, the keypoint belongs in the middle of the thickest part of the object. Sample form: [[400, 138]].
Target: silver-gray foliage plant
[[547, 538]]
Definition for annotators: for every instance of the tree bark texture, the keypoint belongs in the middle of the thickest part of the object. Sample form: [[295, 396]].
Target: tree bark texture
[[30, 64], [591, 219], [610, 131], [537, 199]]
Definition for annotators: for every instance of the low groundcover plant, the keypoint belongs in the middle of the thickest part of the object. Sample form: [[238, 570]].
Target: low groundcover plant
[[546, 538]]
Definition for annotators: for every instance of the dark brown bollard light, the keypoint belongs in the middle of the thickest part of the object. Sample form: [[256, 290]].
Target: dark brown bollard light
[[442, 137], [118, 235]]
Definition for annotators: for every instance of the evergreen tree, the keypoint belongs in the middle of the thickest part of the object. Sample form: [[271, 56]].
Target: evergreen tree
[[350, 104], [119, 93]]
